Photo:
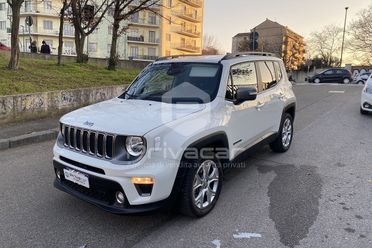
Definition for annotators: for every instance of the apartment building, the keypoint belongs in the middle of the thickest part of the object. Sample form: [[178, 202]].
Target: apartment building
[[172, 27], [275, 38], [4, 23]]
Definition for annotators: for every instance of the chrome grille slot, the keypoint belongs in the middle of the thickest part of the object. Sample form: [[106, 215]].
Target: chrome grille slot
[[97, 144]]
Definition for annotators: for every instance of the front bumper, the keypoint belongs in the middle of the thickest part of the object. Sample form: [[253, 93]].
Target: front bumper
[[366, 102], [102, 194]]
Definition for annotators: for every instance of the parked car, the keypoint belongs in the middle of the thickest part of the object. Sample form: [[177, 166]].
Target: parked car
[[362, 78], [335, 75], [4, 47], [366, 101], [172, 134]]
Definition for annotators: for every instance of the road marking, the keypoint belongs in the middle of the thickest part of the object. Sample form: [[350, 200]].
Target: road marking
[[247, 235], [337, 91], [217, 243]]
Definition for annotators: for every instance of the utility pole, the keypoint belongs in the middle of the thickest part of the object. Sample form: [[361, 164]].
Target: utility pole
[[343, 38]]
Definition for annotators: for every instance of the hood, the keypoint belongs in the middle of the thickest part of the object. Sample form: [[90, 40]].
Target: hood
[[128, 117]]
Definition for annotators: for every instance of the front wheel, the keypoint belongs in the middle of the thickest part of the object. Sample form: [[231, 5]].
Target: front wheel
[[201, 188], [317, 80], [284, 140]]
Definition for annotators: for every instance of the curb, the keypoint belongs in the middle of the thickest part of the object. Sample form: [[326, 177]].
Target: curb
[[27, 139]]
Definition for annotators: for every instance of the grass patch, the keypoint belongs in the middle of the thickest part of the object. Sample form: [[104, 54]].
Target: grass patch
[[36, 75]]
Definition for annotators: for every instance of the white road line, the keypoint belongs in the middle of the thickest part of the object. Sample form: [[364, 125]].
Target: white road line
[[247, 235], [336, 91]]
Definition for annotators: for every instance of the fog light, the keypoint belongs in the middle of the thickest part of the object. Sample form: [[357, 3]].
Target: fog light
[[120, 197], [58, 174], [142, 180]]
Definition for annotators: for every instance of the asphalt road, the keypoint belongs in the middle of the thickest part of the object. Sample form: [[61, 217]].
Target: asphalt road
[[316, 195]]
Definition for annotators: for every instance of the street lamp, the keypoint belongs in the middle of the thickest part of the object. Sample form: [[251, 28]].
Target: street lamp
[[343, 37]]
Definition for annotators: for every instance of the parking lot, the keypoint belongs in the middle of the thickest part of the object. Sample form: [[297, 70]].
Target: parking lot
[[316, 195]]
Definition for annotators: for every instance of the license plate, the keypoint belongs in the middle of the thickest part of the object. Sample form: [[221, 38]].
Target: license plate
[[76, 177]]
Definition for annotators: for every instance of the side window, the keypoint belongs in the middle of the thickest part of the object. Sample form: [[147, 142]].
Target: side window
[[241, 75], [268, 77], [329, 72], [278, 71]]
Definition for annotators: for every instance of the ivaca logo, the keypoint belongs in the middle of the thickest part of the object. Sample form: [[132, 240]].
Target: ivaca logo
[[89, 124]]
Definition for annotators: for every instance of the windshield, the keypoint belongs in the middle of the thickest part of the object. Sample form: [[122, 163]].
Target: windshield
[[177, 83]]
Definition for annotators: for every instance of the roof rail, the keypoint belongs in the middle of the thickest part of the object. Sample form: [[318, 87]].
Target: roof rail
[[177, 56], [242, 54]]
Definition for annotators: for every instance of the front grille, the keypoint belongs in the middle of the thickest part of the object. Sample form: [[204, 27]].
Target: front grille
[[89, 142]]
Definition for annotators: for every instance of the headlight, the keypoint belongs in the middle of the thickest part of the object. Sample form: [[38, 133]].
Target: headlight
[[369, 90], [135, 146]]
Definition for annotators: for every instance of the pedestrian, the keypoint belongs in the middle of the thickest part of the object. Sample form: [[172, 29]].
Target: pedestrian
[[45, 48], [33, 47]]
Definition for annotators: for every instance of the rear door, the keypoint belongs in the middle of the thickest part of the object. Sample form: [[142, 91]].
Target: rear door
[[330, 76]]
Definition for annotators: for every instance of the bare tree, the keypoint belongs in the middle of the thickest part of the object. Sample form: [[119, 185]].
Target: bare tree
[[15, 6], [361, 39], [86, 16], [210, 45], [123, 10], [326, 44], [62, 13]]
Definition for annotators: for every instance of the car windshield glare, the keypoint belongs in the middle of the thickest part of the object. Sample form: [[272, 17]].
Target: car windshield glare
[[177, 83]]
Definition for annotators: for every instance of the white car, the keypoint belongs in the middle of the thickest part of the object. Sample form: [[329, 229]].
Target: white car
[[362, 78], [366, 101], [170, 136]]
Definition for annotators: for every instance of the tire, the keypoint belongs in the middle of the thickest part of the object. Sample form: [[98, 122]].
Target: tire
[[363, 112], [285, 136], [316, 81], [189, 204], [346, 81]]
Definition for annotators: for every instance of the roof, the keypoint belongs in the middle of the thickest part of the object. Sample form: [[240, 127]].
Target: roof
[[242, 34]]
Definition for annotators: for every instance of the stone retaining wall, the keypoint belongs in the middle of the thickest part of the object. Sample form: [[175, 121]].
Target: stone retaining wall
[[33, 106]]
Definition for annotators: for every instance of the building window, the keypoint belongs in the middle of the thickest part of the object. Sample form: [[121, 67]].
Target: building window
[[111, 11], [169, 37], [169, 3], [48, 25], [68, 47], [2, 25], [68, 29], [134, 52], [167, 53], [151, 52], [109, 31], [28, 6], [152, 18], [2, 6], [47, 5], [152, 36], [92, 47]]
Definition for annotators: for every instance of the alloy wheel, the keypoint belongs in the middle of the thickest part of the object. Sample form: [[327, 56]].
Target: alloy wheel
[[205, 185], [287, 132]]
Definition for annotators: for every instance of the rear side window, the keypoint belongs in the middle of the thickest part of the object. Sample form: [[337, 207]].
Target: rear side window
[[267, 75], [278, 72], [241, 75]]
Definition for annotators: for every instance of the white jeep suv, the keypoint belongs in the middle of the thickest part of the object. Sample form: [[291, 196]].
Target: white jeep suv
[[171, 135]]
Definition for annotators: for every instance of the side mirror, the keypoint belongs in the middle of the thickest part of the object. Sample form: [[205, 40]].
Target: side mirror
[[245, 94]]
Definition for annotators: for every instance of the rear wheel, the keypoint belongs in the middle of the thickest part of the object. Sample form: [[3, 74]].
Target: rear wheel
[[346, 80], [363, 112], [284, 140], [360, 82], [201, 188]]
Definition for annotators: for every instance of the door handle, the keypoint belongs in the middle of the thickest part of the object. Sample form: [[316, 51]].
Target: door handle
[[259, 106]]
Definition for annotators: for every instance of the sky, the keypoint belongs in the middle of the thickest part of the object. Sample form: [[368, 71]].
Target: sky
[[225, 18]]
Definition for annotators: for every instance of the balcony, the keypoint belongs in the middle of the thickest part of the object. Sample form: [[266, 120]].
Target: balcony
[[141, 40], [186, 48], [186, 31], [189, 16], [155, 4], [144, 22], [33, 10], [143, 57], [193, 3]]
